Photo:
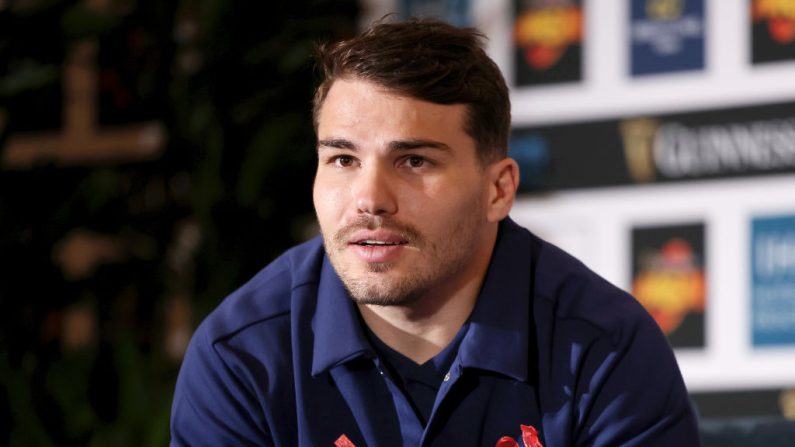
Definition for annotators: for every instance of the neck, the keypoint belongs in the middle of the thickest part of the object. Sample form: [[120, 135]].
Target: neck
[[423, 329]]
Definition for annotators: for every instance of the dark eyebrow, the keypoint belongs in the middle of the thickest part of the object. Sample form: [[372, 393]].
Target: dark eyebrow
[[399, 145], [407, 145], [336, 143]]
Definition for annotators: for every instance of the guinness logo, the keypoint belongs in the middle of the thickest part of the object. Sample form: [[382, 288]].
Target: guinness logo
[[638, 136]]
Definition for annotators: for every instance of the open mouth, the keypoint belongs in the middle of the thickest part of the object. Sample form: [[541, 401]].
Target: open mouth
[[373, 243], [379, 246]]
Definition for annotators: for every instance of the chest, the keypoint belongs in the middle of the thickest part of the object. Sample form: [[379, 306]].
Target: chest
[[472, 408]]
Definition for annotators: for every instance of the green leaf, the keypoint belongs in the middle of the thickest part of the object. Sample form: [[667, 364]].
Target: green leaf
[[27, 75]]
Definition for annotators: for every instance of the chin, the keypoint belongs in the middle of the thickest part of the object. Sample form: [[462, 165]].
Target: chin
[[383, 291], [387, 300], [379, 267]]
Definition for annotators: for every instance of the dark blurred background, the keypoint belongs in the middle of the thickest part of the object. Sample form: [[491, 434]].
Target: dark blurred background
[[155, 155]]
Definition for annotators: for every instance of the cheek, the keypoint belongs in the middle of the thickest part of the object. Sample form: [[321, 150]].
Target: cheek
[[328, 200], [447, 205], [460, 192]]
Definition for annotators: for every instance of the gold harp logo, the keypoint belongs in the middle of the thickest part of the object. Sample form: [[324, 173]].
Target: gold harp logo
[[787, 403], [638, 137], [664, 9]]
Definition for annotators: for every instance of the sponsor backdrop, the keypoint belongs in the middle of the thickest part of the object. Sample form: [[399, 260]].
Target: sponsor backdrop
[[668, 165], [656, 140]]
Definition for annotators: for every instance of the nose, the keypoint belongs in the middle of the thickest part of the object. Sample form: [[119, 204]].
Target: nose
[[373, 191]]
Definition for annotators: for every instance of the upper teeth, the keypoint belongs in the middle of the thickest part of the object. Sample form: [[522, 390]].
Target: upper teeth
[[371, 242]]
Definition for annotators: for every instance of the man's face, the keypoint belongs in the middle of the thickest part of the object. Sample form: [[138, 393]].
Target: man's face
[[399, 193]]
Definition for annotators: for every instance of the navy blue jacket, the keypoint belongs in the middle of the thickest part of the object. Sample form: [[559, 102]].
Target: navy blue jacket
[[284, 361]]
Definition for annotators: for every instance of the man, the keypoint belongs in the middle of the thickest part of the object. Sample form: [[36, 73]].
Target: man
[[425, 316]]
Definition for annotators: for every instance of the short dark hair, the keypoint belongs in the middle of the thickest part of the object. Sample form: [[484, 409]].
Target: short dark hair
[[428, 60]]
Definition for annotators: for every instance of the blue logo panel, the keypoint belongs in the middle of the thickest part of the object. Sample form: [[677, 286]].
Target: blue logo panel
[[454, 12], [531, 153], [773, 281], [666, 36]]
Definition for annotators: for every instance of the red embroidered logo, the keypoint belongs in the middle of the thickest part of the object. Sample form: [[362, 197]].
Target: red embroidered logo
[[529, 438], [343, 441]]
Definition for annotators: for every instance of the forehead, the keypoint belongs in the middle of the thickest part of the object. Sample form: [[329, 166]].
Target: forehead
[[369, 110]]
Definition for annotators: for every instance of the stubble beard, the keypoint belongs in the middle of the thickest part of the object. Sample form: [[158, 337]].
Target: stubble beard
[[440, 261]]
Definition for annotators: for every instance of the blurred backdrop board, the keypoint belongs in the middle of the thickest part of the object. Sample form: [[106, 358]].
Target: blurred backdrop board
[[666, 36], [548, 41], [678, 187], [667, 164], [772, 25]]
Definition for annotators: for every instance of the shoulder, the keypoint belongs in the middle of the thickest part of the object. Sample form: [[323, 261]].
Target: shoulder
[[241, 353], [267, 295], [610, 376], [573, 293]]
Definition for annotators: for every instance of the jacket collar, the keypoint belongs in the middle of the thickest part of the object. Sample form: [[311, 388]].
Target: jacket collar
[[339, 336], [497, 339]]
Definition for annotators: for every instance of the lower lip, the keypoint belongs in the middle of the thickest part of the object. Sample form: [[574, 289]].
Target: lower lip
[[377, 253]]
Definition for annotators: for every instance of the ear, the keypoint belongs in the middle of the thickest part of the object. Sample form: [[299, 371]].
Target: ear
[[503, 181]]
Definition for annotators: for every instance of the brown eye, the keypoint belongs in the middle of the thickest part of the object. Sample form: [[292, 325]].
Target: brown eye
[[415, 161], [344, 161]]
